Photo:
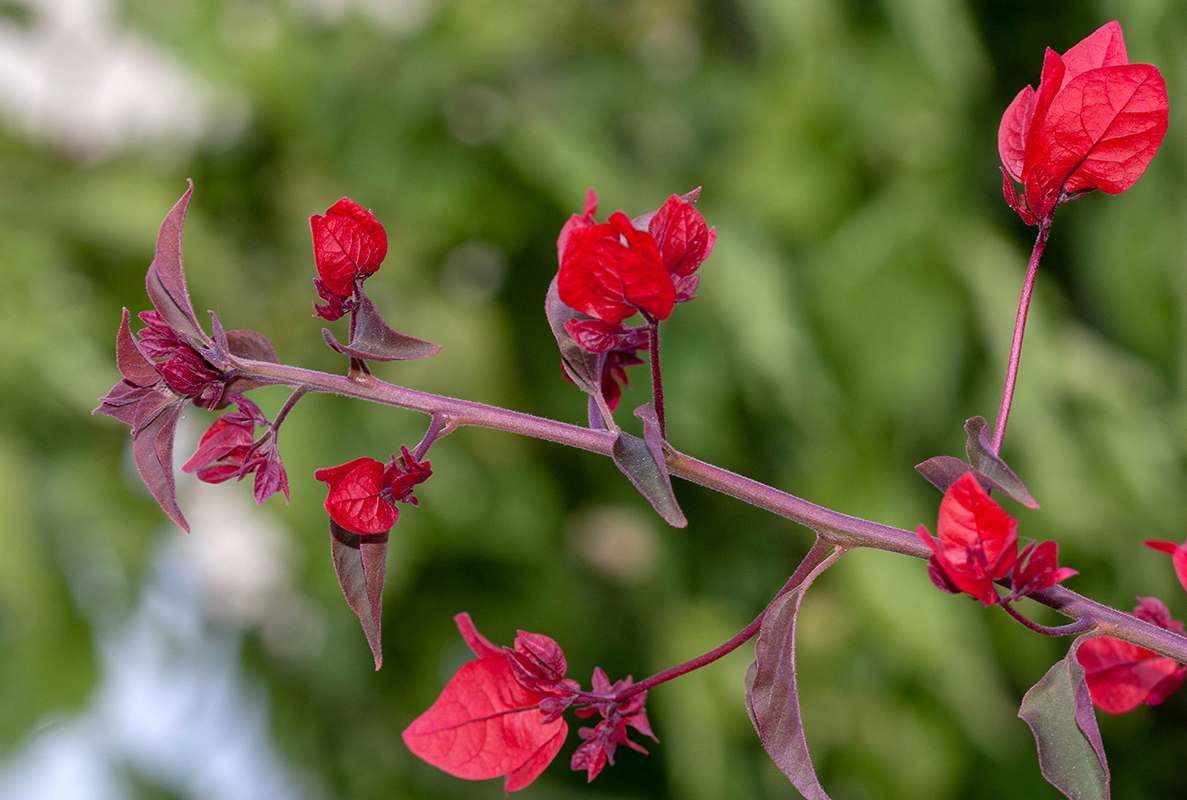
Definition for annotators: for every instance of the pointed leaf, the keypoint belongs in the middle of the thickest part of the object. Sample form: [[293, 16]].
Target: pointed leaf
[[1058, 710], [360, 564], [374, 340], [152, 450], [772, 697], [943, 471], [642, 460], [132, 363], [582, 367], [165, 281], [979, 448]]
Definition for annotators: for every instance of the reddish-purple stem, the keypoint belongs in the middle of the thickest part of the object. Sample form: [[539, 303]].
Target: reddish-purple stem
[[818, 553], [1003, 414], [839, 529], [1071, 629]]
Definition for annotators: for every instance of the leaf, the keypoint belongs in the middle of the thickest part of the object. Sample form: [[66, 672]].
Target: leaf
[[360, 562], [152, 450], [772, 697], [642, 460], [1058, 710], [373, 340], [485, 724], [979, 448], [582, 367], [132, 363], [165, 281], [943, 471]]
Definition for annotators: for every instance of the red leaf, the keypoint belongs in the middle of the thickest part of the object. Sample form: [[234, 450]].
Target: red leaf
[[354, 500], [1037, 569], [152, 450], [978, 541], [1122, 676], [610, 270], [348, 244], [485, 724], [482, 647], [165, 281]]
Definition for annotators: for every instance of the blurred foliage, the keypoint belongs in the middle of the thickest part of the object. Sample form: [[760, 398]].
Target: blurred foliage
[[857, 309]]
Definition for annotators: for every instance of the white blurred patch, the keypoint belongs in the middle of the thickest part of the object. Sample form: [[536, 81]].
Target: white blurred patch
[[72, 78], [619, 542]]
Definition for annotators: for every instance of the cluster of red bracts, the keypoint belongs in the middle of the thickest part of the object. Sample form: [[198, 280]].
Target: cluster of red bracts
[[363, 492], [610, 271], [1095, 123], [349, 244], [500, 715]]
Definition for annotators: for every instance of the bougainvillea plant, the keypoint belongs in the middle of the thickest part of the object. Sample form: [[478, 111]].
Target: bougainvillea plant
[[1094, 123]]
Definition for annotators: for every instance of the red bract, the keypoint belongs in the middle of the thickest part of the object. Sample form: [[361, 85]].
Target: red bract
[[361, 492], [1122, 676], [1037, 569], [978, 541], [228, 450], [683, 239], [348, 244], [600, 742], [486, 724], [1178, 554], [611, 270], [1095, 123]]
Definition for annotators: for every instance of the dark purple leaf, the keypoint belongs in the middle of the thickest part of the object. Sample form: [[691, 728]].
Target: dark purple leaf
[[772, 699], [583, 368], [1058, 710], [152, 450], [165, 281], [943, 471], [979, 448], [253, 346], [361, 564], [642, 460], [373, 340], [132, 363]]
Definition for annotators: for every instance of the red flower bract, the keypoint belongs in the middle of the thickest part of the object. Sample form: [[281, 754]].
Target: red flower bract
[[486, 724], [1122, 676], [1095, 123], [348, 244], [978, 541], [1178, 554]]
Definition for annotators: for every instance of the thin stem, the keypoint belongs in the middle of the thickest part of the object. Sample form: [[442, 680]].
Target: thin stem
[[833, 526], [438, 427], [1071, 629], [297, 394], [1032, 269], [816, 556], [657, 381]]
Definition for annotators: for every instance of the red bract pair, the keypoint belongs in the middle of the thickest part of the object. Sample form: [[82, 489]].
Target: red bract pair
[[613, 269], [1122, 676], [362, 493], [500, 715], [978, 545], [228, 450], [1095, 123], [349, 244]]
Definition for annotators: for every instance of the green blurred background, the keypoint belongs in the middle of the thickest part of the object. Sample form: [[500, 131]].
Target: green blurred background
[[857, 309]]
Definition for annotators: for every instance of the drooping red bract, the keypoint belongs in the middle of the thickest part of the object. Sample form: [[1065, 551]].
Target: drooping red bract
[[978, 541], [1095, 123], [348, 244], [354, 500], [1122, 676], [486, 723], [683, 239], [1037, 568], [600, 742], [610, 270]]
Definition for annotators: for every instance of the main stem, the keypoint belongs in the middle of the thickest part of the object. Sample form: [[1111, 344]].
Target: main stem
[[832, 526], [1032, 269]]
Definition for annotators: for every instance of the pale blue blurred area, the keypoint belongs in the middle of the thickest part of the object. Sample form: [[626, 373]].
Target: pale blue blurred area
[[856, 311]]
